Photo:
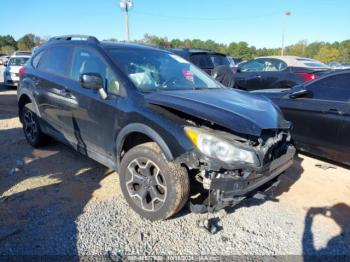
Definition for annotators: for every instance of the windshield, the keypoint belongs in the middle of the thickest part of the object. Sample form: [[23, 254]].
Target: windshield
[[18, 61], [151, 70]]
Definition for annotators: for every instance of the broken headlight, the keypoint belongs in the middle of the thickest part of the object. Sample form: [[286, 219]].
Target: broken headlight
[[213, 146]]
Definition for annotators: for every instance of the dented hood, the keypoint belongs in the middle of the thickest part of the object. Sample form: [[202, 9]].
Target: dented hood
[[237, 110]]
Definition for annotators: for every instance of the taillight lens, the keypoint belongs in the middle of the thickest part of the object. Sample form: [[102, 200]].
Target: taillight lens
[[22, 71], [307, 76]]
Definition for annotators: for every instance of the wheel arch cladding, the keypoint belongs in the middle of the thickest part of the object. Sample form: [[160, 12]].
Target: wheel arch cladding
[[148, 135], [23, 100]]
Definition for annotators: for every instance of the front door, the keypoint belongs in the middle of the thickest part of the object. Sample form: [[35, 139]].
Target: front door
[[94, 121]]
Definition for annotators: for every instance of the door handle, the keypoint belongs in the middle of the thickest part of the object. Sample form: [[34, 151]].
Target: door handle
[[333, 111], [64, 92]]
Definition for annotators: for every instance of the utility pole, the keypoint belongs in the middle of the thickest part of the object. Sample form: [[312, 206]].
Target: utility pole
[[126, 5], [284, 18]]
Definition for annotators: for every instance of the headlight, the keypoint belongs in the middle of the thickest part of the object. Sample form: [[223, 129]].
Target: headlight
[[213, 146]]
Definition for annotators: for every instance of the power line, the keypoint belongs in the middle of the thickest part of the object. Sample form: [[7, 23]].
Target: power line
[[204, 18]]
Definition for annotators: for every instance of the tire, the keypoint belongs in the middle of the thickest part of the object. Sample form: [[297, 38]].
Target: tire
[[31, 128], [155, 188]]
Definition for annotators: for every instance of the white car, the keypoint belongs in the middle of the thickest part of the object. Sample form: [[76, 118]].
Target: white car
[[12, 67]]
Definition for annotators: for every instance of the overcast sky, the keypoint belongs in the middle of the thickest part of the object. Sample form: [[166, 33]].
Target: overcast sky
[[258, 22]]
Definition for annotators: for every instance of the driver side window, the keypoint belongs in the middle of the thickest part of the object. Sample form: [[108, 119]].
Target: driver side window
[[89, 61]]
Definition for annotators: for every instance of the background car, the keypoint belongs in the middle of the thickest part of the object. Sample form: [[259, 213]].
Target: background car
[[234, 62], [320, 113], [205, 59], [12, 69], [277, 72], [339, 65], [22, 53], [4, 59]]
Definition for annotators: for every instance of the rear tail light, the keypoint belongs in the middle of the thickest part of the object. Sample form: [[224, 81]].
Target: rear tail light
[[22, 71], [307, 76]]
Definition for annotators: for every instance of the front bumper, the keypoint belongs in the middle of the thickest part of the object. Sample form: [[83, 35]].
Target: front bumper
[[233, 186], [229, 187]]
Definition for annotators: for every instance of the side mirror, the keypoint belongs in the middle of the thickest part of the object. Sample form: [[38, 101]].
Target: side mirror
[[93, 81], [300, 93]]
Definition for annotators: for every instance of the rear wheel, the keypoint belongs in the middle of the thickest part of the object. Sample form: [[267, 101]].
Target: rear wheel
[[31, 128], [154, 187]]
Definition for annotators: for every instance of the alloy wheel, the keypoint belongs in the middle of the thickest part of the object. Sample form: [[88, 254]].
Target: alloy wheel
[[30, 125], [146, 185]]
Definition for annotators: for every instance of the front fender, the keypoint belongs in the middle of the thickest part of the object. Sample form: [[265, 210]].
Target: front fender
[[146, 130]]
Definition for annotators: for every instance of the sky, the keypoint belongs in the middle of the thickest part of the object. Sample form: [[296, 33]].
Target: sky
[[258, 22]]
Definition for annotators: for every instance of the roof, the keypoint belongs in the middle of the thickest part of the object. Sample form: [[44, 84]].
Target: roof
[[295, 61], [196, 50], [19, 56], [108, 44]]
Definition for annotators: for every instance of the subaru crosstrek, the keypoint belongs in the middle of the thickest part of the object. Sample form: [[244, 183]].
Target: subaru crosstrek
[[169, 130]]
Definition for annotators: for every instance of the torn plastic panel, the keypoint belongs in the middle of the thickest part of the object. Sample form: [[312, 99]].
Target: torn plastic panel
[[226, 184]]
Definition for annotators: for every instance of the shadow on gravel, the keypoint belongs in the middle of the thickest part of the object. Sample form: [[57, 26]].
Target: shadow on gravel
[[44, 198], [8, 103], [338, 245]]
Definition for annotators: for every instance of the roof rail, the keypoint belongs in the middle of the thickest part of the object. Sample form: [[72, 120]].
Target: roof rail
[[75, 37]]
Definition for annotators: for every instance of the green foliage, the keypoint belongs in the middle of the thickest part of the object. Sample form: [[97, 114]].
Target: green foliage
[[7, 49], [325, 52], [7, 40], [328, 54], [28, 42]]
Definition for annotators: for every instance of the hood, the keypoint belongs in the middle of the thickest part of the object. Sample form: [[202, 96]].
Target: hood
[[239, 111]]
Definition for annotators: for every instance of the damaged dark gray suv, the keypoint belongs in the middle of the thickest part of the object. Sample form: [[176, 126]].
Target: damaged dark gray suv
[[171, 132]]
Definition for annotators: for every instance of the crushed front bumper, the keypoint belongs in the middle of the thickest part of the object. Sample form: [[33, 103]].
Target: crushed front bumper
[[227, 189]]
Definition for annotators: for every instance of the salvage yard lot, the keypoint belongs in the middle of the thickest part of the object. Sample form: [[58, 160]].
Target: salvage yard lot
[[55, 201]]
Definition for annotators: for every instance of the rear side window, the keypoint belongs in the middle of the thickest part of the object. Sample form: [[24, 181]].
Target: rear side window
[[36, 59], [334, 88], [219, 60], [56, 61], [202, 60]]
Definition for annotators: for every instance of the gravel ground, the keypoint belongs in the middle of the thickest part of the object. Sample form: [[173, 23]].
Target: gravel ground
[[54, 201]]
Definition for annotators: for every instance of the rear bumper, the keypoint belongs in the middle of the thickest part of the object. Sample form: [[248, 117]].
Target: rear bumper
[[11, 81]]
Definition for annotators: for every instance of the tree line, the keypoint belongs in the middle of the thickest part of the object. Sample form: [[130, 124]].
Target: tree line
[[323, 51], [26, 43]]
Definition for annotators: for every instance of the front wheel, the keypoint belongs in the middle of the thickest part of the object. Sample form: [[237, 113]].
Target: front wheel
[[154, 187]]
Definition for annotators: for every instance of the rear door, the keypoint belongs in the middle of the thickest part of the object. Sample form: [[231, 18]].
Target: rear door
[[248, 75], [275, 74], [50, 79]]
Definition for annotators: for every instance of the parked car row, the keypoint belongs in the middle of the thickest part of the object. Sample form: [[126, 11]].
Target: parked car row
[[13, 68]]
